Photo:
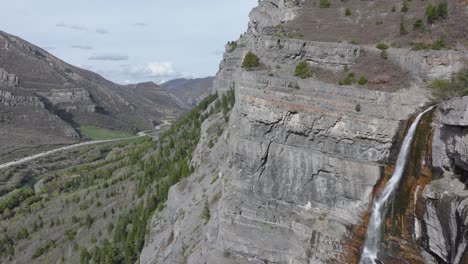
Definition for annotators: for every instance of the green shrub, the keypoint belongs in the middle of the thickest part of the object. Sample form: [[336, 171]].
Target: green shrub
[[440, 84], [442, 10], [431, 14], [434, 13], [393, 9], [384, 54], [457, 86], [362, 80], [85, 257], [347, 11], [70, 234], [41, 250], [418, 24], [206, 215], [88, 221], [303, 70], [232, 45], [404, 7], [460, 82], [15, 198], [382, 46], [7, 245], [324, 3], [348, 80], [419, 46], [436, 45], [250, 61], [441, 89], [403, 30], [358, 108]]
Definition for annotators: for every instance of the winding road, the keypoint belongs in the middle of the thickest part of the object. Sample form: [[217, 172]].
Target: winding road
[[153, 133], [47, 153]]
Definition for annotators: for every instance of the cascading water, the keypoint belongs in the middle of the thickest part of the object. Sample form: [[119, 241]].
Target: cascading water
[[380, 205]]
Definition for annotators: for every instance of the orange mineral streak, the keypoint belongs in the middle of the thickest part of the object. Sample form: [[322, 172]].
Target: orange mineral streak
[[398, 242], [353, 245]]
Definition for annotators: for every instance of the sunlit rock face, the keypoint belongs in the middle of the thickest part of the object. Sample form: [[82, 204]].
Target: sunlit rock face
[[303, 156]]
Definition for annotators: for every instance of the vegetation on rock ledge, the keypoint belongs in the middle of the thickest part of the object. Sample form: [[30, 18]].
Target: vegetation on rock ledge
[[457, 86], [250, 61], [303, 70]]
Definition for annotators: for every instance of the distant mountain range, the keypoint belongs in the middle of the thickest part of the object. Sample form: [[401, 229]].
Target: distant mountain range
[[190, 91], [43, 100]]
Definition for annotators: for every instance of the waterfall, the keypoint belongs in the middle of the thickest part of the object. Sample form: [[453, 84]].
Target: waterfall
[[417, 226], [380, 205]]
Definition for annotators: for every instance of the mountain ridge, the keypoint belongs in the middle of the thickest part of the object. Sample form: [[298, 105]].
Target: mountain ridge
[[190, 91], [34, 81]]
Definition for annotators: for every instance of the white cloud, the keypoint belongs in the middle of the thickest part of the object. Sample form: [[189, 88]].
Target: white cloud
[[157, 72], [109, 57], [154, 69], [62, 24], [70, 26], [102, 31], [82, 47]]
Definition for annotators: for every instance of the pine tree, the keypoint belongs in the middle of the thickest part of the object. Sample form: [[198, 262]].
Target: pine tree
[[206, 215]]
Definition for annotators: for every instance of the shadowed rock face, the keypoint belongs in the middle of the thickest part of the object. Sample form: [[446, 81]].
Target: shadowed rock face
[[304, 156], [52, 93], [446, 199]]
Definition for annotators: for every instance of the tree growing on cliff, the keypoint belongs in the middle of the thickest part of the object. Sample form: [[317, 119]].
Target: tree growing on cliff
[[404, 7], [250, 61], [347, 11], [362, 80], [403, 30], [383, 47], [206, 215], [324, 3], [303, 70], [434, 13]]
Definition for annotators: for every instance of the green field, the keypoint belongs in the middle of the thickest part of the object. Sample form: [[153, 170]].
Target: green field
[[96, 133]]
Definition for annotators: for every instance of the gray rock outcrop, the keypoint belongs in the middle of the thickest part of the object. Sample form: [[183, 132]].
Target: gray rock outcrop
[[9, 80], [304, 155], [446, 199]]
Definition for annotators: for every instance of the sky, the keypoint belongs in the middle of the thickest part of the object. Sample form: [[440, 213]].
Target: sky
[[130, 41]]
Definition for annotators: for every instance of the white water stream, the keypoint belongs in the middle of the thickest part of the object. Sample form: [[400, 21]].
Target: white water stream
[[381, 203]]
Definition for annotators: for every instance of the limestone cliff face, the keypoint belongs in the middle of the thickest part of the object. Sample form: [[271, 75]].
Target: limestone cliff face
[[445, 200], [303, 155], [7, 79]]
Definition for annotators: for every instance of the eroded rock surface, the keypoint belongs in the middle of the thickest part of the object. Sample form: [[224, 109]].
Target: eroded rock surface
[[446, 199], [304, 155]]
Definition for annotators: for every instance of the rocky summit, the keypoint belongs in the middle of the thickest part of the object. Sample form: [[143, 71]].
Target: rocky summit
[[314, 105]]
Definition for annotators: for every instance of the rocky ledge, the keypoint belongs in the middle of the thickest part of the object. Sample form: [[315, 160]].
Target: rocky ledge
[[304, 155], [446, 198]]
